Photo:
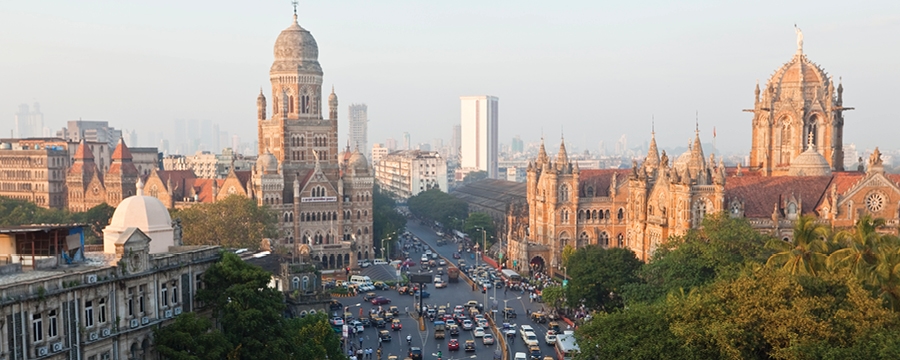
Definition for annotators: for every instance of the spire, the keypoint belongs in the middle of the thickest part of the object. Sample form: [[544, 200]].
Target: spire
[[652, 159], [295, 3], [799, 40], [562, 158], [140, 187], [542, 154], [83, 153], [121, 152]]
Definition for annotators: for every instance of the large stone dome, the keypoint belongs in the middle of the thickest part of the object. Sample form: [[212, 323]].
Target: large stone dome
[[296, 50], [267, 163], [358, 161], [143, 212], [810, 163]]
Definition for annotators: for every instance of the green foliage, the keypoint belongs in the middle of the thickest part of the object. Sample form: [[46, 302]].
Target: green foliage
[[249, 316], [190, 337], [553, 296], [439, 206], [385, 220], [234, 222], [599, 275], [474, 225], [806, 253], [566, 254], [475, 176], [19, 212]]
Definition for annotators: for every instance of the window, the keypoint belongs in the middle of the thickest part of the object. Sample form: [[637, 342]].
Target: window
[[164, 294], [51, 324], [105, 356], [130, 301], [175, 291], [101, 313], [306, 283], [295, 283], [89, 313], [141, 291], [37, 328]]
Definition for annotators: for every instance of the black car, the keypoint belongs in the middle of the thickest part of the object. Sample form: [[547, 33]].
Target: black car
[[335, 305], [366, 322], [415, 353], [535, 353], [379, 322]]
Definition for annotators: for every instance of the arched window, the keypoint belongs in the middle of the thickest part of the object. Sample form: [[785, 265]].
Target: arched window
[[583, 240], [302, 141], [295, 283], [563, 193], [607, 213], [358, 213], [699, 212], [621, 240], [604, 239], [366, 230], [590, 191], [563, 239], [306, 283], [291, 104], [580, 215], [594, 215], [621, 214]]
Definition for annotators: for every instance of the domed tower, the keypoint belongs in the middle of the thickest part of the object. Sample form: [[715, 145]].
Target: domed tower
[[797, 100], [268, 182]]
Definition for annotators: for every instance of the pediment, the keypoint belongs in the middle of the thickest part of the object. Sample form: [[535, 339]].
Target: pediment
[[870, 182]]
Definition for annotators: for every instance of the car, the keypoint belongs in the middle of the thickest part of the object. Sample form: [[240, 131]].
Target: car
[[370, 296], [525, 329], [471, 303], [408, 263], [366, 287], [482, 323], [456, 255], [379, 322], [454, 330], [415, 353], [530, 339], [450, 321], [364, 264], [380, 262], [380, 300], [520, 356], [428, 252], [337, 321], [470, 345], [553, 326], [384, 335], [434, 255], [442, 262], [550, 338], [453, 345], [366, 322], [439, 284], [509, 312], [535, 352], [394, 310], [479, 332], [488, 339], [468, 325], [335, 305], [380, 285], [396, 325], [424, 258], [425, 294]]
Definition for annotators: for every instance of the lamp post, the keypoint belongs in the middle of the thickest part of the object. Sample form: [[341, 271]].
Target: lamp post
[[483, 243], [387, 258]]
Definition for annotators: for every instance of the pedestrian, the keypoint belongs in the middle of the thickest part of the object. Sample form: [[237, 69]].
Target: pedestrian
[[361, 339]]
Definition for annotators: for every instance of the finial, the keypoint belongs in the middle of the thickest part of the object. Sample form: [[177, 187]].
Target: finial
[[295, 2], [140, 187], [562, 135], [332, 88], [799, 39], [652, 125], [260, 90], [697, 122]]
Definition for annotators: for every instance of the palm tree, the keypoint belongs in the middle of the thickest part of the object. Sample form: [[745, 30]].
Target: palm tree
[[885, 275], [860, 247], [807, 253]]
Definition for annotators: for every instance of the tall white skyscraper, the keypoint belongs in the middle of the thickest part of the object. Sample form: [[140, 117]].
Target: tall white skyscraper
[[479, 128], [359, 125], [29, 122]]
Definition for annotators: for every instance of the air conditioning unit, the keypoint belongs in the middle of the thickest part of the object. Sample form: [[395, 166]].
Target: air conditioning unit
[[93, 336], [91, 279], [168, 314], [42, 351], [145, 320], [57, 347], [178, 311], [105, 332], [134, 323]]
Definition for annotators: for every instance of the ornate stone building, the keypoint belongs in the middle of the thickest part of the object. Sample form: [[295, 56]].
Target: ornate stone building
[[791, 175], [324, 197], [87, 186]]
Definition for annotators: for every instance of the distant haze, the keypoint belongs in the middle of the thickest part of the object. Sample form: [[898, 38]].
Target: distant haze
[[593, 69]]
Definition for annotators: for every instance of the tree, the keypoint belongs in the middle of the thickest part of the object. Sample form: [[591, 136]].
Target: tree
[[19, 212], [234, 222], [475, 176], [248, 311], [553, 295], [314, 338], [385, 220], [567, 252], [808, 252], [860, 252], [475, 223], [436, 205], [599, 275], [190, 337]]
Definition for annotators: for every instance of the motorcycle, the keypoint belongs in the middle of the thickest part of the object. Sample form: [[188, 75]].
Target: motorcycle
[[408, 339]]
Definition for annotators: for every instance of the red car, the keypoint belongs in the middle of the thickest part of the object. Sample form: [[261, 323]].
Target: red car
[[381, 300], [408, 263], [453, 344]]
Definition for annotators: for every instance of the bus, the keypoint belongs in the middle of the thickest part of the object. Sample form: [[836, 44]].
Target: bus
[[512, 276], [566, 348]]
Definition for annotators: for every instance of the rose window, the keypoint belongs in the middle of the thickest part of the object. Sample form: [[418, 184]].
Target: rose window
[[875, 202]]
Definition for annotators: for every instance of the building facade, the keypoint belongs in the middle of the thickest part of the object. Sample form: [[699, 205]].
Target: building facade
[[35, 173], [99, 304], [378, 153], [207, 165], [323, 197], [479, 129], [791, 175], [87, 186], [406, 173], [358, 126]]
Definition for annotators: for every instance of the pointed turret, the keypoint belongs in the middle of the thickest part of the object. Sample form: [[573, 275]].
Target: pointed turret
[[562, 158], [261, 105], [332, 105], [652, 160]]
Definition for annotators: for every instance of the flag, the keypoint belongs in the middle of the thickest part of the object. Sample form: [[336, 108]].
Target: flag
[[714, 131]]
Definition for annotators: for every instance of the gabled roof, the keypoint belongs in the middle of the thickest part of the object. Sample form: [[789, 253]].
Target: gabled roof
[[82, 153], [121, 152], [600, 179], [761, 193]]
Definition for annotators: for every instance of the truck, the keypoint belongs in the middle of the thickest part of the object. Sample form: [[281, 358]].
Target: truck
[[453, 274], [439, 327]]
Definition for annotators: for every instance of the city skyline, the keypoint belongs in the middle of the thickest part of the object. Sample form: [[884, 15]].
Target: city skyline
[[667, 63]]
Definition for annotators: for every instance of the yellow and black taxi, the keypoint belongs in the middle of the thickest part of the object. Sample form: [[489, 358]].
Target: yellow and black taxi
[[470, 345], [384, 335]]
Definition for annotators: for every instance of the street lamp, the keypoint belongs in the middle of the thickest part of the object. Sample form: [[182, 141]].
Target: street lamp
[[483, 243], [387, 258]]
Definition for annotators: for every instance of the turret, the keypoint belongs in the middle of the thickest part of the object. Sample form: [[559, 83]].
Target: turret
[[652, 160], [332, 106], [261, 106]]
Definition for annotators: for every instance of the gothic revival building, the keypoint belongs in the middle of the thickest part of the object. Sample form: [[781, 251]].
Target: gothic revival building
[[88, 187], [324, 197], [796, 169]]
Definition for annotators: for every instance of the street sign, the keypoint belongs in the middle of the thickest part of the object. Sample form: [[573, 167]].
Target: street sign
[[565, 282], [398, 273], [345, 330]]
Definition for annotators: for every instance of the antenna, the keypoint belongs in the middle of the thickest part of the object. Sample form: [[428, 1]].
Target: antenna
[[697, 121], [652, 124], [295, 3]]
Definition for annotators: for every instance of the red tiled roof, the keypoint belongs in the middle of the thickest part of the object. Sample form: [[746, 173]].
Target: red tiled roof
[[600, 180], [761, 193], [178, 178], [121, 152], [82, 153], [244, 177], [204, 188]]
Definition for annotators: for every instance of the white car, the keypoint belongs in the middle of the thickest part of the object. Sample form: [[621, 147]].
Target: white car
[[487, 339], [525, 329], [337, 321], [479, 332], [364, 264], [428, 252], [530, 339], [482, 322], [439, 284], [550, 338], [467, 324], [521, 356], [424, 259], [442, 262], [380, 262]]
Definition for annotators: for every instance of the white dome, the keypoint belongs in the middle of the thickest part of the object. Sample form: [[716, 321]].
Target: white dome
[[143, 212], [810, 163], [296, 50]]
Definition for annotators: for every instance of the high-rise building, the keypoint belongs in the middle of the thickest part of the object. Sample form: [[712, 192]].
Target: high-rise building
[[406, 141], [29, 122], [406, 173], [479, 128], [91, 132], [391, 144], [359, 125], [517, 146], [378, 152], [455, 142]]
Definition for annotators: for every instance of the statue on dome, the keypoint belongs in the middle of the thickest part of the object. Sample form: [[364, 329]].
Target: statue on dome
[[799, 38]]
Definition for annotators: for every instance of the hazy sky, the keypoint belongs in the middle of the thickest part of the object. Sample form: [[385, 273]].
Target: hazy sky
[[598, 69]]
